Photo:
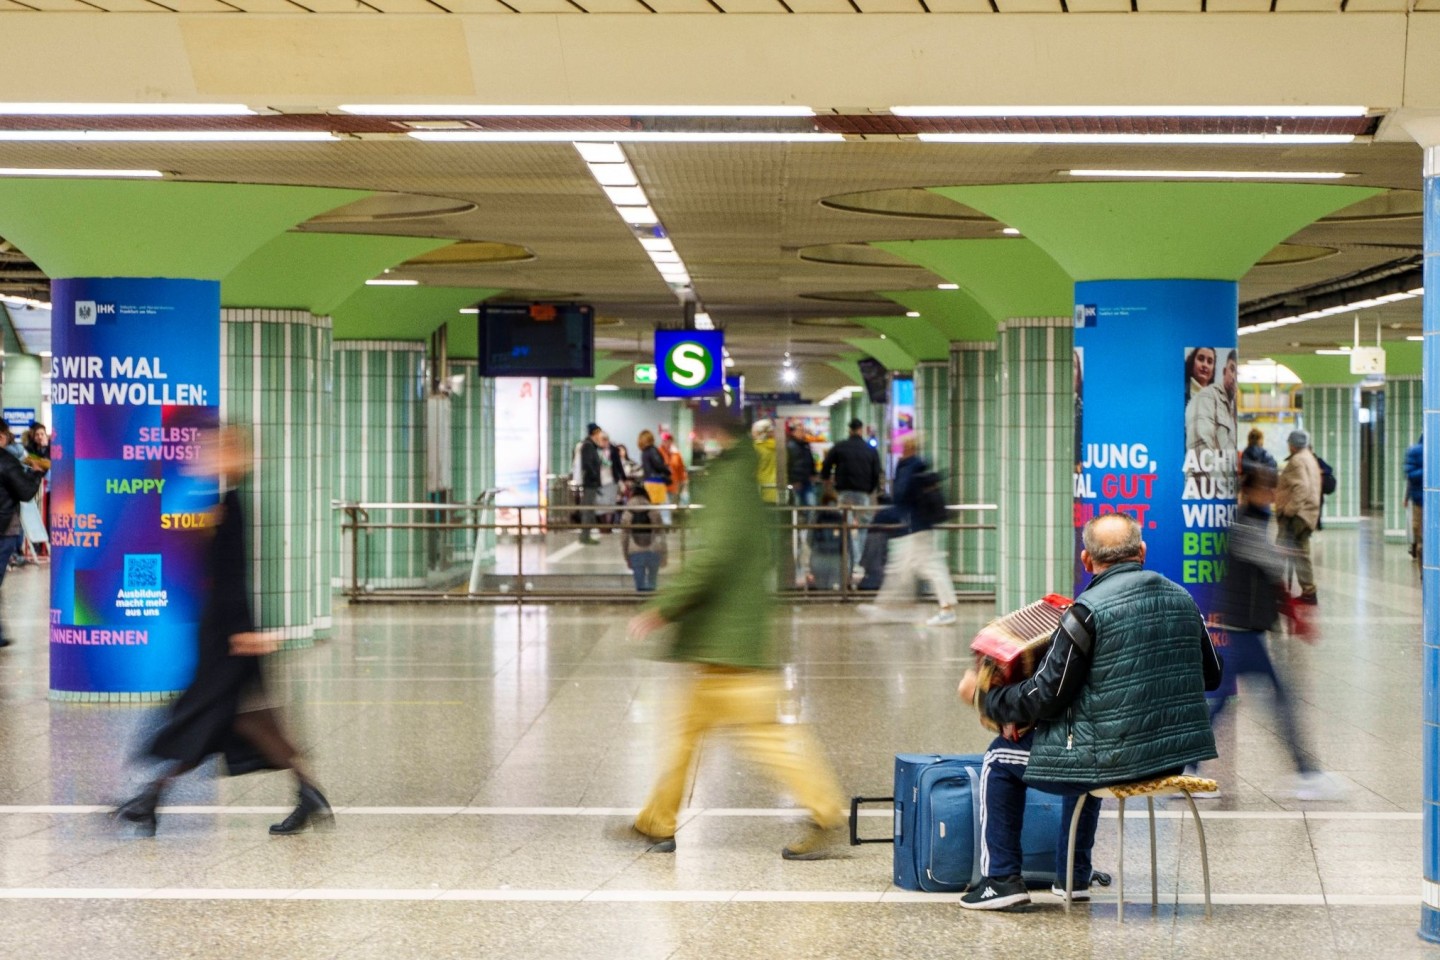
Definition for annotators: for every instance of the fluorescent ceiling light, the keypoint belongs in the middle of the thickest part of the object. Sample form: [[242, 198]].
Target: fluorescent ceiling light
[[606, 386], [24, 302], [627, 136], [658, 244], [469, 309], [1210, 174], [569, 110], [1419, 339], [627, 196], [1417, 292], [601, 152], [665, 259], [76, 172], [908, 313], [703, 322], [392, 283], [1123, 111], [1341, 352], [125, 110], [1011, 232], [167, 136], [613, 174], [947, 286], [1141, 138], [639, 216]]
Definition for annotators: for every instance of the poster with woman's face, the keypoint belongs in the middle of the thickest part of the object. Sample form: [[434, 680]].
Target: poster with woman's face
[[1211, 433]]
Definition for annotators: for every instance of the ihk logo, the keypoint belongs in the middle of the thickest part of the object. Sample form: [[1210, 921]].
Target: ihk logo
[[689, 365], [87, 310], [1085, 315]]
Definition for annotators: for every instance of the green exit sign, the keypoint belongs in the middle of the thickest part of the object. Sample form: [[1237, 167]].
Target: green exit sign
[[645, 373]]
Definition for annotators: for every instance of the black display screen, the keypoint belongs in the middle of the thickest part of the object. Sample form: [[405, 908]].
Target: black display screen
[[537, 340]]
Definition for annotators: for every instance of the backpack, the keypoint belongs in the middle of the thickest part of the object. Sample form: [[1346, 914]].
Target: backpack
[[1327, 477], [929, 506], [642, 531]]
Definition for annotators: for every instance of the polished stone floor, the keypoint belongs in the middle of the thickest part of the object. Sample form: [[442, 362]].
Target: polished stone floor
[[478, 756]]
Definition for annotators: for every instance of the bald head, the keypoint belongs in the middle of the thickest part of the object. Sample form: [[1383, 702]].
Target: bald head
[[1111, 539]]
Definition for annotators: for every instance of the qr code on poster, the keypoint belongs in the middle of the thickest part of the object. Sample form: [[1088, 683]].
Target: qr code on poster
[[142, 571]]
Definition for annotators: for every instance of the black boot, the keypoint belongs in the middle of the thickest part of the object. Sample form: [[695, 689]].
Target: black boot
[[312, 806], [140, 810]]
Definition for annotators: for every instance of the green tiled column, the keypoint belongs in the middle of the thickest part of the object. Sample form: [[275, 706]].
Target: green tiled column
[[1334, 427], [974, 405], [1036, 486], [274, 372], [933, 420], [1404, 416], [379, 431], [571, 407], [472, 464]]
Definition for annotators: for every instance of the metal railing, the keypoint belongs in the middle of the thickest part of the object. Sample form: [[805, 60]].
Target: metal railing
[[486, 552]]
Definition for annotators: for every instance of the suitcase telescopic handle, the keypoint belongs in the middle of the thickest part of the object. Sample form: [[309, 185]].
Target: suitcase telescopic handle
[[855, 838]]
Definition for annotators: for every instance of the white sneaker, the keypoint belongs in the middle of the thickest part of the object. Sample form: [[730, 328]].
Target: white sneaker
[[942, 619], [1318, 785]]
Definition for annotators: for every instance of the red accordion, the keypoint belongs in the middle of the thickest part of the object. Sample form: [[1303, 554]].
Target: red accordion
[[1009, 648]]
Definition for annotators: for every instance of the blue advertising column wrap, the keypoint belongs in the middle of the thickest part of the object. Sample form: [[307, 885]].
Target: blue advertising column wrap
[[136, 375], [1430, 577], [1155, 420]]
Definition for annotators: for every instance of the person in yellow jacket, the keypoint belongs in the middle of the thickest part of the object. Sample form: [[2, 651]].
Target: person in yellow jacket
[[762, 434]]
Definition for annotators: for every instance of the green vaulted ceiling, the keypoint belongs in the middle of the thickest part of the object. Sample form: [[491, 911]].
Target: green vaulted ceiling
[[127, 228], [885, 350], [955, 314], [411, 313], [1157, 231], [1007, 278], [316, 271]]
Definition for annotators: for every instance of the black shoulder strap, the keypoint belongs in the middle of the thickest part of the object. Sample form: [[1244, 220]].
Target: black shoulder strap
[[1074, 628]]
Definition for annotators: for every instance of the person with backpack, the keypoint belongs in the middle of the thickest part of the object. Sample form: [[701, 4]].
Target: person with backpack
[[913, 551], [1297, 511], [642, 540]]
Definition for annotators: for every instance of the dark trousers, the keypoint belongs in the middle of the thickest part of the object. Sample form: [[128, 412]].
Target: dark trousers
[[1002, 814], [8, 547], [645, 564], [1244, 654]]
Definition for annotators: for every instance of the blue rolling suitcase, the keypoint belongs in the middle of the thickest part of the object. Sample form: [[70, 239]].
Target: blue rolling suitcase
[[937, 825]]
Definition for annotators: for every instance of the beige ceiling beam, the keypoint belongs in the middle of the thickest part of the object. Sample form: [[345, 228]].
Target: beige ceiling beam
[[303, 61]]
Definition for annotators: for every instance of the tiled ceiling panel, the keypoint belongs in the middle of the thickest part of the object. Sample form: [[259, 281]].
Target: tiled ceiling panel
[[267, 6], [674, 6], [1169, 6], [1098, 6], [959, 6], [890, 6], [612, 6], [1307, 6], [820, 6], [752, 6]]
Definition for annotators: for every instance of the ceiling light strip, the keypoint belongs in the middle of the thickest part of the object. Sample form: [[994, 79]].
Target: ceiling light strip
[[1210, 174], [1353, 307], [167, 136], [1138, 138], [617, 136], [630, 201], [89, 173], [1318, 112], [125, 110], [573, 110]]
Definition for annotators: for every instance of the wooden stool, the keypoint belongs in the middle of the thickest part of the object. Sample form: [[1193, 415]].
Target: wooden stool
[[1149, 789]]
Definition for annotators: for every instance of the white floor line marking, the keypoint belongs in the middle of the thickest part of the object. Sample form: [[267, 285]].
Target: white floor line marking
[[511, 895], [689, 813], [559, 556]]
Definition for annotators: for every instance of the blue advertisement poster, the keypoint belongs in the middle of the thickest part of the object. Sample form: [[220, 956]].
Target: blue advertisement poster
[[136, 377], [1155, 419]]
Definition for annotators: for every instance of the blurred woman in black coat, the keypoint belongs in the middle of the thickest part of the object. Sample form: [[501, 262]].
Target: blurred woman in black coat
[[226, 708]]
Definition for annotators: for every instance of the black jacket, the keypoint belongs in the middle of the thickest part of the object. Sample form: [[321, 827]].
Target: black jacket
[[16, 486], [1249, 596], [590, 465], [652, 463], [799, 462], [854, 465]]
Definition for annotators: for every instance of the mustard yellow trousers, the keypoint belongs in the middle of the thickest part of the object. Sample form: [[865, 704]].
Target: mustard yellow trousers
[[745, 705]]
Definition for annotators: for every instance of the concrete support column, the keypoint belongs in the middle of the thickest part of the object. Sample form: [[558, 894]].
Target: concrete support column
[[379, 429], [1333, 422], [1404, 415], [1036, 465], [975, 463], [275, 379]]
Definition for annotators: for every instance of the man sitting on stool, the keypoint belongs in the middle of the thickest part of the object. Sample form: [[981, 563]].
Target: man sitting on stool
[[1119, 697]]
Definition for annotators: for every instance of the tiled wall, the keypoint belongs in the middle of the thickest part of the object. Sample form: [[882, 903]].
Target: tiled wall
[[936, 426], [472, 431], [274, 370], [571, 408], [1036, 462], [379, 431], [1334, 427], [974, 404], [1404, 414]]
